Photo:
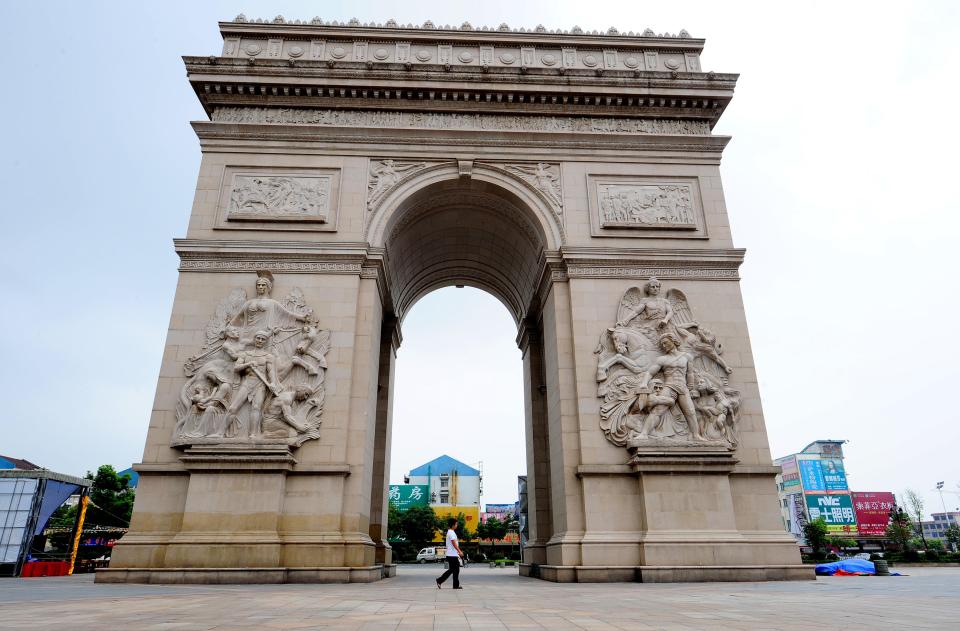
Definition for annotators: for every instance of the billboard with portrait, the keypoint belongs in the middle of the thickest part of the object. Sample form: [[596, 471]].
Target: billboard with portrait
[[823, 476]]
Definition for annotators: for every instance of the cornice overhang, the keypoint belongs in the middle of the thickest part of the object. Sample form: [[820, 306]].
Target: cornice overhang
[[222, 82]]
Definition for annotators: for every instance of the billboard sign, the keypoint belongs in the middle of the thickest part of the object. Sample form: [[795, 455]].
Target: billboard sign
[[790, 475], [403, 496], [836, 510], [873, 512], [501, 508], [811, 475], [823, 476]]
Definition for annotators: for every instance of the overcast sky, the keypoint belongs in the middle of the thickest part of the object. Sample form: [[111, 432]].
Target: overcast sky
[[839, 182]]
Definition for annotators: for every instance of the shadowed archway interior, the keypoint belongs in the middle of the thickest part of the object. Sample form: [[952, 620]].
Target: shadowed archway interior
[[464, 233]]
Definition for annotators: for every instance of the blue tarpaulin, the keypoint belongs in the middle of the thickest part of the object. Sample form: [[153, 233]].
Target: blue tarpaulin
[[852, 566], [55, 494]]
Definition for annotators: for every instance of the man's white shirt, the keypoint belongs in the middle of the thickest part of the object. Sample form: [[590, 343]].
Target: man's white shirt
[[451, 549]]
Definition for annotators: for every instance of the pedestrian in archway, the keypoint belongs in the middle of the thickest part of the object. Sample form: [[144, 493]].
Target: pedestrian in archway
[[454, 554]]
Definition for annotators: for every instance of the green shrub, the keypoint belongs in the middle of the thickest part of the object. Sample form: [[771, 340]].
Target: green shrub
[[911, 556], [932, 555]]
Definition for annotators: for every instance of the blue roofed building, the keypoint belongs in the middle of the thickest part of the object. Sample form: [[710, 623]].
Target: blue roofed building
[[134, 476], [9, 462], [451, 482]]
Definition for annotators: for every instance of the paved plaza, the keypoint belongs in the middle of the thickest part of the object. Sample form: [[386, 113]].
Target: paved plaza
[[491, 599]]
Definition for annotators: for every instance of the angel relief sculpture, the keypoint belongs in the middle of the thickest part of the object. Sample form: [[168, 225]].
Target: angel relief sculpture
[[260, 374], [662, 376]]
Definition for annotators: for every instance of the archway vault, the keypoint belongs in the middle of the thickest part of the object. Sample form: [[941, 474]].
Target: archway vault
[[486, 231]]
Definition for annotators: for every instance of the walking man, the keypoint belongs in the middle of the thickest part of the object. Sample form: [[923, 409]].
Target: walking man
[[453, 556]]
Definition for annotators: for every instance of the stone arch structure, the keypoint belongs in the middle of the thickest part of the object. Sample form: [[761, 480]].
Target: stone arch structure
[[347, 171], [464, 231]]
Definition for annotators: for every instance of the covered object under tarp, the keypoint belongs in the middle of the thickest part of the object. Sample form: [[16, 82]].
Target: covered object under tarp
[[847, 567]]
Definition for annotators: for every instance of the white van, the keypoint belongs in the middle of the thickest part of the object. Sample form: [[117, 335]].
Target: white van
[[432, 555]]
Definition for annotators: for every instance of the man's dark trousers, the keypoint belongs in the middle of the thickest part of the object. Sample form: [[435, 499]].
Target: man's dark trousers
[[453, 567]]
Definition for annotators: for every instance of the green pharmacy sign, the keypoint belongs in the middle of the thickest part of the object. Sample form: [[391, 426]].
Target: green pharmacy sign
[[403, 496]]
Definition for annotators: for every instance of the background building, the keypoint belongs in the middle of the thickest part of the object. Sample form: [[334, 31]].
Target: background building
[[8, 462], [449, 481], [813, 484], [936, 528]]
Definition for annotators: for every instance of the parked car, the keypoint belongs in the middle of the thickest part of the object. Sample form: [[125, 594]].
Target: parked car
[[432, 555]]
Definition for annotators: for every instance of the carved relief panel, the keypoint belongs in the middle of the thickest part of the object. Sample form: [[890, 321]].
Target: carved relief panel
[[663, 378], [637, 206], [289, 199], [260, 375]]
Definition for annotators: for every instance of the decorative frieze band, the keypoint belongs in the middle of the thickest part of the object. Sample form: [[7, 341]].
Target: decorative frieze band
[[459, 121], [672, 273], [234, 265]]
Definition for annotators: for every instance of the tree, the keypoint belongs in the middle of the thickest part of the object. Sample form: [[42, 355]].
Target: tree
[[915, 508], [111, 502], [394, 521], [899, 530], [953, 536], [111, 505], [418, 525], [463, 533], [815, 532], [111, 498], [493, 529], [841, 542]]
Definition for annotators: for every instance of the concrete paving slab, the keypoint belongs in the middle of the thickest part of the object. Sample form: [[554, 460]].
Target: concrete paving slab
[[492, 599]]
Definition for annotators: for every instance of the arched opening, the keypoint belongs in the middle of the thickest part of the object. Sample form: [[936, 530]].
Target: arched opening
[[459, 393], [464, 232]]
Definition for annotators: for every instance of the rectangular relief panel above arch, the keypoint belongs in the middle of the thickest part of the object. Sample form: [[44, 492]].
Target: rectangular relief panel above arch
[[279, 198], [644, 206]]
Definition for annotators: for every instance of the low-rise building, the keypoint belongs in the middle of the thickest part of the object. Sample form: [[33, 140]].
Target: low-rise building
[[450, 482], [9, 462], [937, 527]]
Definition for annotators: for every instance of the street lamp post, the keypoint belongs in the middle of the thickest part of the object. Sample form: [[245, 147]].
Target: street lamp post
[[946, 516]]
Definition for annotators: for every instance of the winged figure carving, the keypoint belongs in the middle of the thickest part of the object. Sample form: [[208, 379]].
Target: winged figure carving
[[662, 376]]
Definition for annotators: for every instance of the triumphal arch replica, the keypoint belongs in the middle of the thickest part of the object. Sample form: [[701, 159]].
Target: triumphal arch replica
[[350, 169]]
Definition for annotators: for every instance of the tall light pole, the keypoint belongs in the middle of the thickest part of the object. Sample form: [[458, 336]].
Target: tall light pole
[[946, 516]]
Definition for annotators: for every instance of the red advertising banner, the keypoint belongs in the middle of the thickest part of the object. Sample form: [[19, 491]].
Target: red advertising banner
[[873, 512]]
